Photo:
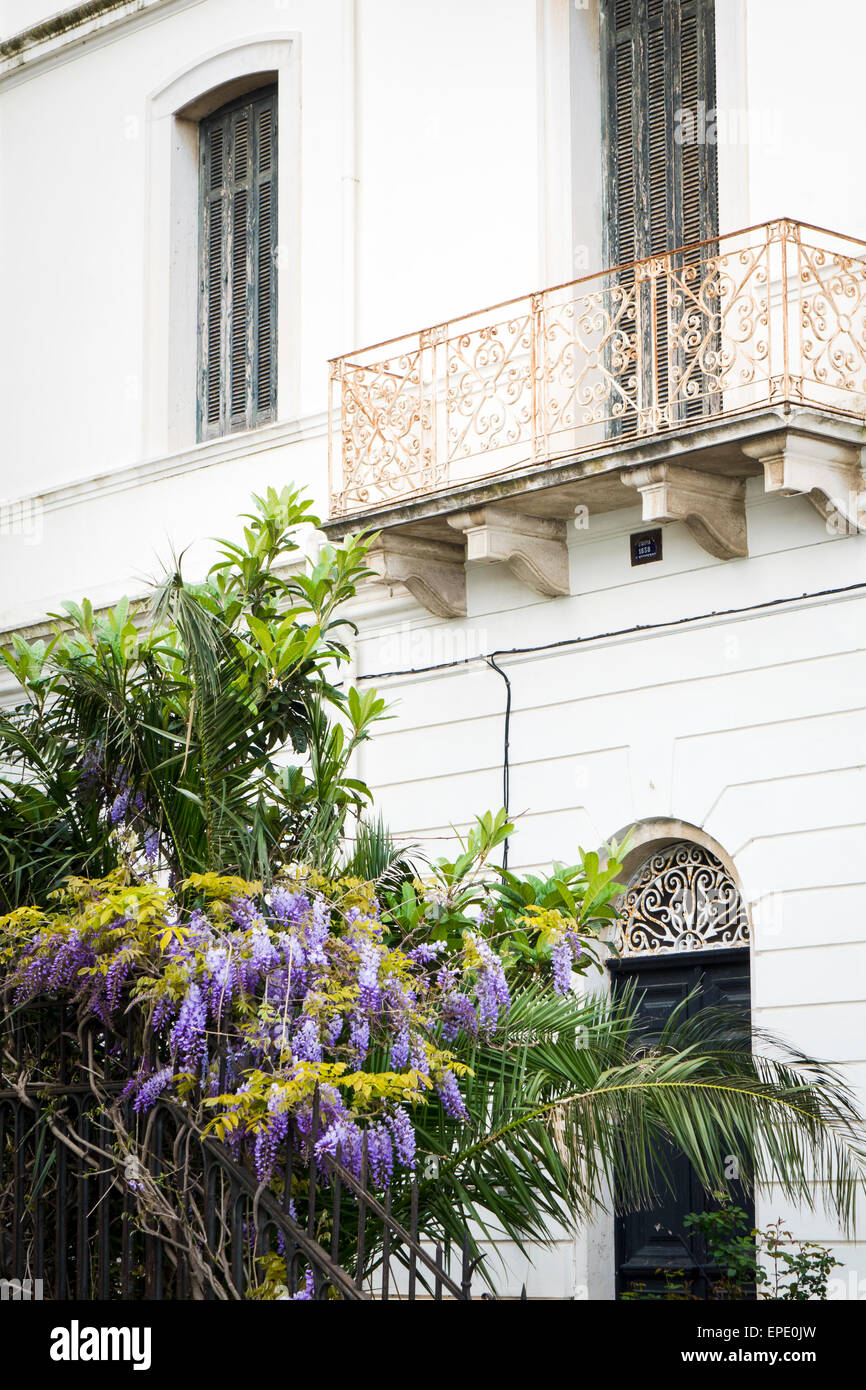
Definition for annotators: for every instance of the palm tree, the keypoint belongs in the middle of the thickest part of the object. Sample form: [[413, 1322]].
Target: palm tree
[[572, 1100], [169, 721]]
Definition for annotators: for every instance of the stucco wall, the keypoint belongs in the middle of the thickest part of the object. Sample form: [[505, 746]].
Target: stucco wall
[[749, 726]]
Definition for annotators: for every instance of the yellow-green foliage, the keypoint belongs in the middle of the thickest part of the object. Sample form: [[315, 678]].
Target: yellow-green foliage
[[221, 887]]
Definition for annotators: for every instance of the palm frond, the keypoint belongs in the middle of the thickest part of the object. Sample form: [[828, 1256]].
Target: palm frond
[[377, 857], [571, 1101]]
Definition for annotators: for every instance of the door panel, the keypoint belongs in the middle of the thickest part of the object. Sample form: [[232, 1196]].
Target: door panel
[[653, 1241]]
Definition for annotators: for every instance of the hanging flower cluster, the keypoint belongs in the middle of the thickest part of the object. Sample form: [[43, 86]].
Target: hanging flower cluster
[[257, 1001], [123, 808], [558, 934]]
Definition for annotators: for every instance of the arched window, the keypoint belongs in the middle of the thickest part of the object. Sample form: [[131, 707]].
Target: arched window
[[221, 256], [681, 899]]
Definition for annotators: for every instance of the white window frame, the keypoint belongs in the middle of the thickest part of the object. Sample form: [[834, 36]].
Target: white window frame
[[174, 111]]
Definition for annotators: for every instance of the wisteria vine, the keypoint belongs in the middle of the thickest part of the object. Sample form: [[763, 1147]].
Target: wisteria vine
[[249, 1002]]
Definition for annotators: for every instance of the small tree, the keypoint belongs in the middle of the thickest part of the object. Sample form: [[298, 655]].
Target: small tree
[[156, 731]]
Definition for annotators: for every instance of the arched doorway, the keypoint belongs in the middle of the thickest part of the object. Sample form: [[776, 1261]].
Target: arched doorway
[[684, 928]]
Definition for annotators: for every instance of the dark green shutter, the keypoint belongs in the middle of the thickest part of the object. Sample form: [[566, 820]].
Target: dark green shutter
[[237, 282], [661, 193]]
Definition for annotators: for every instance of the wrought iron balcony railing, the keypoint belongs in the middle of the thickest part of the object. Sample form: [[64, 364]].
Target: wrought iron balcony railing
[[770, 315]]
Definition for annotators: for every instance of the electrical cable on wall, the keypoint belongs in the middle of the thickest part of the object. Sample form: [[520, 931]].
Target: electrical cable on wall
[[490, 658], [506, 767], [606, 636]]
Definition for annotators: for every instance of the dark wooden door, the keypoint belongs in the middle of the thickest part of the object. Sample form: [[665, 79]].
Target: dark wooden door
[[652, 1241]]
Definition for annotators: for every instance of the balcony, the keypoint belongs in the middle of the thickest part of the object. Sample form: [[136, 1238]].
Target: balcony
[[683, 373]]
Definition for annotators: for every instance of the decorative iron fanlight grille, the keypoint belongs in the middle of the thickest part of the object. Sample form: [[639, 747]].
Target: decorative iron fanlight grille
[[683, 899]]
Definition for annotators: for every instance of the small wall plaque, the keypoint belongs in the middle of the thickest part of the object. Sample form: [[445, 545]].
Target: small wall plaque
[[646, 546]]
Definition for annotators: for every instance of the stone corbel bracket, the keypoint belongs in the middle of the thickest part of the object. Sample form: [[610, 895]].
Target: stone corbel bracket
[[712, 507], [828, 471], [432, 571], [533, 548]]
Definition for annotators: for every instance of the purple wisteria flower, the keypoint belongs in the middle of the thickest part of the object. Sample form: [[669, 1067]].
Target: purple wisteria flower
[[270, 1137], [491, 986], [316, 934], [449, 1094], [151, 1089], [343, 1140], [565, 953], [244, 912], [307, 1293], [418, 1056], [457, 1012], [164, 1009], [427, 952], [289, 907], [116, 976], [458, 1015], [90, 770], [380, 1154], [306, 1040], [52, 964], [359, 1036], [119, 807], [362, 937], [188, 1033], [403, 1135], [400, 1050]]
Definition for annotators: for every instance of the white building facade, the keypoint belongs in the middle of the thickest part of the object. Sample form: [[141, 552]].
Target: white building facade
[[640, 492]]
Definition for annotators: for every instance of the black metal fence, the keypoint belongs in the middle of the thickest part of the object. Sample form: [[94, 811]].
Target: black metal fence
[[99, 1202]]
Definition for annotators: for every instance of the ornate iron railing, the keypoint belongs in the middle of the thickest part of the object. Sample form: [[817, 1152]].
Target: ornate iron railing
[[769, 315], [98, 1203]]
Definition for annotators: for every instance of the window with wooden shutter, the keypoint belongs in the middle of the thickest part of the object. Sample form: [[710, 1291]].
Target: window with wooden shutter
[[237, 281], [661, 191], [660, 186]]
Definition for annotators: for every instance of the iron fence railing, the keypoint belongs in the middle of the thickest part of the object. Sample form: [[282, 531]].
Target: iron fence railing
[[773, 314], [100, 1203]]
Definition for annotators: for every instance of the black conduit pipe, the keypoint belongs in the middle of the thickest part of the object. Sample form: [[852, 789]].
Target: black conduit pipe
[[506, 766]]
